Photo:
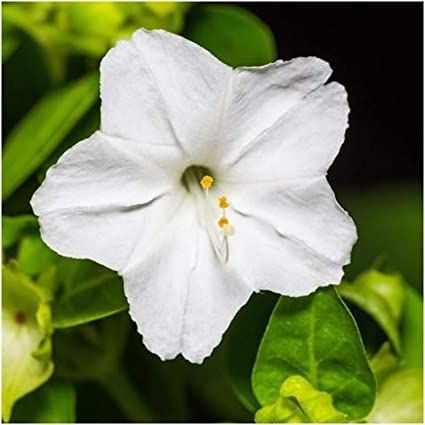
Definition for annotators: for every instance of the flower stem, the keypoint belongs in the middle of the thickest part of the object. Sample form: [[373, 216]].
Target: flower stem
[[128, 399]]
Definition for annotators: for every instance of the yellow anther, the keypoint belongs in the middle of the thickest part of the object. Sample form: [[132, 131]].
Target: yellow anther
[[223, 222], [223, 202], [207, 182]]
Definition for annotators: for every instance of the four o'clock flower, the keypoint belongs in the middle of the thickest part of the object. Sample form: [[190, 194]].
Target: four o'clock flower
[[203, 185]]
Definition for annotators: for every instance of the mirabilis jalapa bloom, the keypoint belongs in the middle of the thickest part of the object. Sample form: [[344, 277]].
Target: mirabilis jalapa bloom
[[203, 185]]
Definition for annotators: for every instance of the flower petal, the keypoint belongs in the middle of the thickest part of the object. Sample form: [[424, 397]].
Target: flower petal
[[95, 171], [215, 295], [305, 210], [163, 88], [263, 95], [180, 296], [303, 143], [156, 283], [82, 207], [272, 261]]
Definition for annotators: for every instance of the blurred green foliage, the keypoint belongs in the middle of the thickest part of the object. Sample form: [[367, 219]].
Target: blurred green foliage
[[51, 53], [54, 402], [234, 35], [389, 223]]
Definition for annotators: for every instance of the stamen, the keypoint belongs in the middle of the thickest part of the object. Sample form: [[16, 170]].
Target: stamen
[[223, 221], [206, 182], [223, 202]]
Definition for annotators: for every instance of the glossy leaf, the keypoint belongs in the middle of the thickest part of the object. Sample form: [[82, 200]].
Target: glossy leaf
[[231, 33], [25, 332], [43, 128], [400, 399], [91, 292], [315, 337], [381, 296], [54, 402]]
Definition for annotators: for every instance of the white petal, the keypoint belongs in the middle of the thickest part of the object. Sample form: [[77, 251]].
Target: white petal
[[93, 202], [95, 171], [216, 293], [303, 143], [262, 95], [180, 296], [272, 261], [304, 210], [156, 283], [162, 88], [107, 235]]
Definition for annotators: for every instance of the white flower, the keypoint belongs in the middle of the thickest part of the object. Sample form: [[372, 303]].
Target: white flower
[[130, 197]]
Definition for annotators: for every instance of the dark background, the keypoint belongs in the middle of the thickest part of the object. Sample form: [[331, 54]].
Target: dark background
[[376, 52]]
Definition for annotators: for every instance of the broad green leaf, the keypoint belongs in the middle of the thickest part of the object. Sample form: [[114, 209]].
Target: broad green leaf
[[24, 333], [34, 256], [389, 223], [13, 228], [91, 292], [43, 128], [381, 296], [411, 329], [54, 402], [316, 337], [244, 338], [231, 33], [299, 401], [400, 399]]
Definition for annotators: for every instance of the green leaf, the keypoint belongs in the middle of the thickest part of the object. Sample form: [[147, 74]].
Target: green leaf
[[400, 399], [43, 128], [54, 402], [315, 337], [389, 223], [283, 410], [411, 329], [22, 336], [381, 296], [13, 228], [34, 256], [91, 292], [231, 33], [299, 401]]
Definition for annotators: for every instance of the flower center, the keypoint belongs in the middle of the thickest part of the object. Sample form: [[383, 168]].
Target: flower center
[[212, 213]]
